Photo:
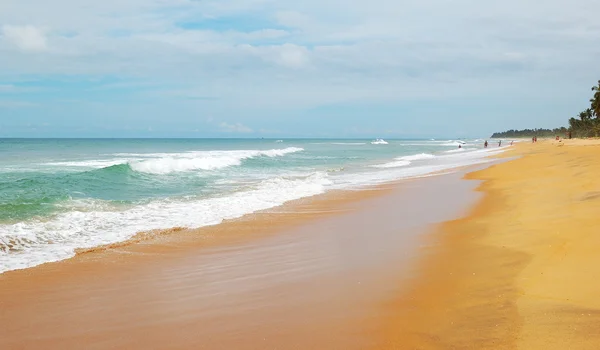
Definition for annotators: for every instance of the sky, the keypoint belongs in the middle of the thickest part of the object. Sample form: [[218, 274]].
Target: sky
[[266, 68]]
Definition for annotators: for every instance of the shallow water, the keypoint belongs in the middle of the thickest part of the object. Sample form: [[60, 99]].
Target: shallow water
[[60, 195]]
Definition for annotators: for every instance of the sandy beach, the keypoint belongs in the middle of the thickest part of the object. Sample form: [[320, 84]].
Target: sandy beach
[[521, 271], [424, 264]]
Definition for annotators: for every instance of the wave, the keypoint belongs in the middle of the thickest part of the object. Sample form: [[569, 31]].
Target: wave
[[404, 161], [458, 150], [95, 223], [95, 164], [419, 156], [398, 169], [379, 142], [167, 163], [395, 164], [453, 143], [210, 160]]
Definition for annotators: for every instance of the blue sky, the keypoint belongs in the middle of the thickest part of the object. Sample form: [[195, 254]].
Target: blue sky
[[263, 68]]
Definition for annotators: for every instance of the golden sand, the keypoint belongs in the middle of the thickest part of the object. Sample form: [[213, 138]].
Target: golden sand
[[523, 270]]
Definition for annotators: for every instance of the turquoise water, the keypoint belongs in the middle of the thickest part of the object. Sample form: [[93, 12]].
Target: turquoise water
[[57, 195]]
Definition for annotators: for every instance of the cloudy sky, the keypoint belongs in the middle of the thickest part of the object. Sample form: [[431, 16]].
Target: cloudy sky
[[282, 68]]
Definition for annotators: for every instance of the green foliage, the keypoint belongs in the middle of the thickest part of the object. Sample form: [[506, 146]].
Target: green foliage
[[528, 133], [586, 124], [595, 100]]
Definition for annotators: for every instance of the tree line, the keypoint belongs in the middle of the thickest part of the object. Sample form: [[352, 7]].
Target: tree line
[[586, 124], [530, 133]]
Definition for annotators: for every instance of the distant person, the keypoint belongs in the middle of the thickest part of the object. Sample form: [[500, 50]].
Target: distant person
[[511, 142], [533, 139], [500, 143], [569, 135], [459, 146], [485, 144], [557, 137]]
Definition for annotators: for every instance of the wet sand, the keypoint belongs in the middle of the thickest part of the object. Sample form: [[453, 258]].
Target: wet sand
[[522, 270], [311, 274]]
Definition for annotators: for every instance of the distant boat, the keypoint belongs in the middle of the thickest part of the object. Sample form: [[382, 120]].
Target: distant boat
[[379, 142]]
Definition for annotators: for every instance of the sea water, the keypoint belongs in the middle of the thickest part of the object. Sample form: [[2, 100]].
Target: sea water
[[58, 195]]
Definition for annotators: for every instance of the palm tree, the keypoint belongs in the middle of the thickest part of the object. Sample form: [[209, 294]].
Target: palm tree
[[596, 100], [574, 124], [585, 115]]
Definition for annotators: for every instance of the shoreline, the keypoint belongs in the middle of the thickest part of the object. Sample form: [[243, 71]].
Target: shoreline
[[342, 252], [521, 270], [205, 235]]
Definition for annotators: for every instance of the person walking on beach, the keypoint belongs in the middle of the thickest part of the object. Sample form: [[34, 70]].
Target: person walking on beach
[[485, 144], [511, 142], [500, 143]]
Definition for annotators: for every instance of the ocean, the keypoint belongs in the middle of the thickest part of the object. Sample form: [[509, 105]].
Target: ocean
[[58, 195]]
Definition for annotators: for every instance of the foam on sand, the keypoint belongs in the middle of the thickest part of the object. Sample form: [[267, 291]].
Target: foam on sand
[[27, 244]]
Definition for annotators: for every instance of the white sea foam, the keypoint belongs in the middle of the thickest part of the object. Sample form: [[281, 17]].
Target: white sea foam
[[208, 160], [379, 142], [419, 156], [35, 242], [453, 143], [394, 164], [166, 163], [404, 161], [173, 165], [439, 164], [95, 164], [458, 150]]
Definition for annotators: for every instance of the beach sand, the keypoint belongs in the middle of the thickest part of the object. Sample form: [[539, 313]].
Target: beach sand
[[309, 275], [522, 271], [515, 265]]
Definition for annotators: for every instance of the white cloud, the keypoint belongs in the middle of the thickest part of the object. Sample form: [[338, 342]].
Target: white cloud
[[293, 56], [265, 57], [284, 55], [234, 128], [293, 19], [26, 38]]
